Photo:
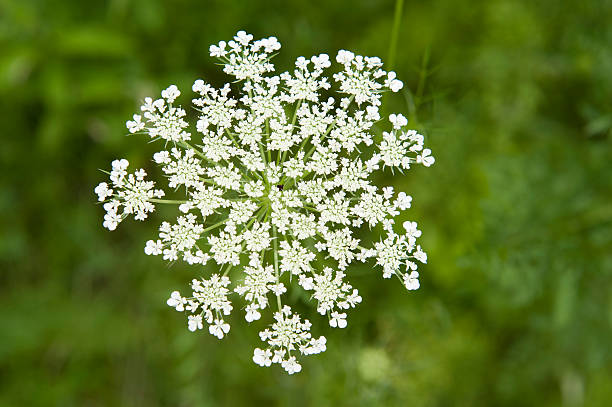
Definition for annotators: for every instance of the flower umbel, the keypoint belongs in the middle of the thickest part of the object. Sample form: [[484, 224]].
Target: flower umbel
[[272, 180]]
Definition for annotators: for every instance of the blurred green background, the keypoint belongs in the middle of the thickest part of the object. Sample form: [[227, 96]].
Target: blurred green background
[[515, 309]]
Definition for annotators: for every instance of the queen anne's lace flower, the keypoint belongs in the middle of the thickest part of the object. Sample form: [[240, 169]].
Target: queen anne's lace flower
[[272, 179]]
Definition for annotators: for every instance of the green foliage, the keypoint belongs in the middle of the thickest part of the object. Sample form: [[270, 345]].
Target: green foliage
[[515, 99]]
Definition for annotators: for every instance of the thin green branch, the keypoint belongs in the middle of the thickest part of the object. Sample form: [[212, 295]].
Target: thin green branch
[[397, 21]]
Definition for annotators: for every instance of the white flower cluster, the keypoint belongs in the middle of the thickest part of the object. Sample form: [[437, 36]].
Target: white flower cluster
[[288, 333], [209, 303], [271, 183], [133, 194]]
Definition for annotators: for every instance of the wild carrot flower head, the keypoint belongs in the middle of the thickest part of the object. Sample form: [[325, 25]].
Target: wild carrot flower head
[[273, 179]]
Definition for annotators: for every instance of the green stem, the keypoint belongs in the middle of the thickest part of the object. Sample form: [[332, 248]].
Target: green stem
[[229, 267], [292, 125], [216, 225], [397, 20], [198, 152], [423, 73], [232, 138], [275, 242], [268, 133], [167, 201]]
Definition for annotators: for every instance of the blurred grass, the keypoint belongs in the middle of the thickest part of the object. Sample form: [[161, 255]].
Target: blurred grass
[[515, 99]]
